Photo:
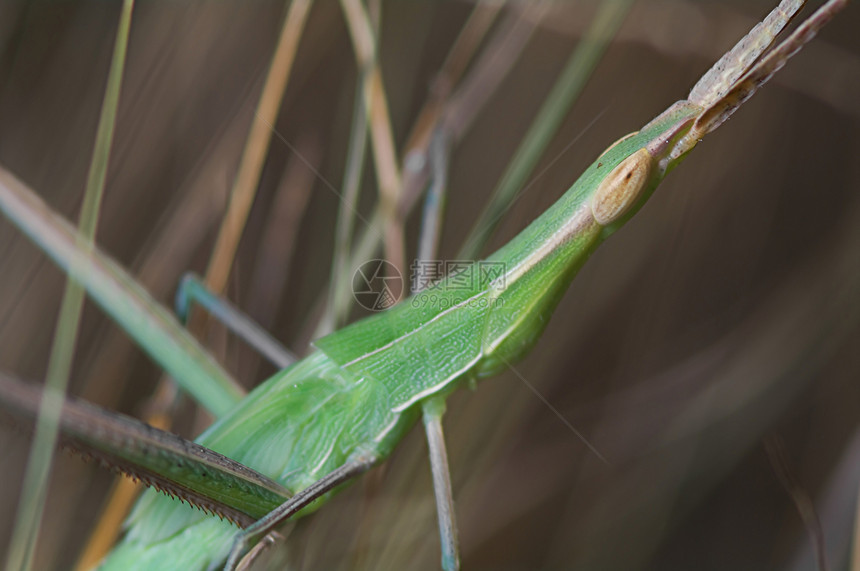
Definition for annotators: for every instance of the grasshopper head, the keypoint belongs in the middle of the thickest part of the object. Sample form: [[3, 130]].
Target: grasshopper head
[[743, 69]]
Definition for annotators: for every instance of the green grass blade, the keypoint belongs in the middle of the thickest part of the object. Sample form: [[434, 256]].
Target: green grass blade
[[32, 502], [127, 302], [149, 323], [565, 91]]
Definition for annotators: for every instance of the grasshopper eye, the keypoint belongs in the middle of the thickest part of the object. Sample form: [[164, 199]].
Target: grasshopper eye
[[619, 190]]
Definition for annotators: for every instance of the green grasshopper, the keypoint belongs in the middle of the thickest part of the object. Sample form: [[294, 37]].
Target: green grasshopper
[[321, 422]]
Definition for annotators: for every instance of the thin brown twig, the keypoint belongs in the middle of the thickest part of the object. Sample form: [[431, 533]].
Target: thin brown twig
[[381, 134], [493, 66], [242, 196], [271, 272], [415, 172], [486, 74], [495, 62], [259, 138], [465, 46], [180, 232]]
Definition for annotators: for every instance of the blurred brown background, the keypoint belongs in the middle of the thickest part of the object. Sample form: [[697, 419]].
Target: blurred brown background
[[709, 350]]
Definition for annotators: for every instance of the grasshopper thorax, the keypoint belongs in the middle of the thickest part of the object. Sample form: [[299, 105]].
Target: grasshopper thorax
[[620, 189]]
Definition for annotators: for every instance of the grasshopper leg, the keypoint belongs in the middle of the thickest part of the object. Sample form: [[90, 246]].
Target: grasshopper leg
[[192, 290], [433, 410], [298, 502]]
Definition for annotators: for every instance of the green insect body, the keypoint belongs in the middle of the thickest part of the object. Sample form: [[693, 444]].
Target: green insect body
[[361, 390], [355, 397]]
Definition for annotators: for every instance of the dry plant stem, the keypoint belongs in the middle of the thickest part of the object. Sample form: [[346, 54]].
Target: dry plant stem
[[181, 230], [272, 266], [384, 152], [31, 505], [273, 260], [462, 52], [259, 138], [467, 43], [414, 177], [241, 197], [434, 205], [335, 313], [496, 61], [187, 224]]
